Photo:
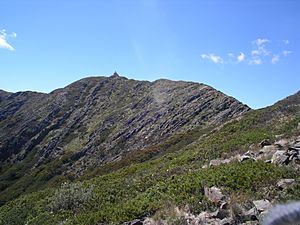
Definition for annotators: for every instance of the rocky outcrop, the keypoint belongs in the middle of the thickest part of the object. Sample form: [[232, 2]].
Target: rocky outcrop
[[282, 152], [100, 119], [214, 194]]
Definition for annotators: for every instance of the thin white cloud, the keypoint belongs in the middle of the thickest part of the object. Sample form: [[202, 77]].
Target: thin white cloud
[[260, 41], [3, 40], [275, 59], [255, 52], [262, 52], [241, 57], [255, 62], [286, 52], [214, 58], [260, 45], [286, 42]]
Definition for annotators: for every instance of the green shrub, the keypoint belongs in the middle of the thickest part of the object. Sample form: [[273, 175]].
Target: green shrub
[[70, 196]]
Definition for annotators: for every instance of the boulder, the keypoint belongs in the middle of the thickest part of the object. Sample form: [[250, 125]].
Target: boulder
[[280, 157], [215, 162], [265, 143], [251, 214], [267, 152], [282, 142], [246, 157], [262, 205], [214, 194], [284, 183], [297, 145], [218, 162]]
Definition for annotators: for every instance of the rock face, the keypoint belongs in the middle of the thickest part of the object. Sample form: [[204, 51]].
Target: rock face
[[214, 194], [99, 119], [284, 183], [262, 205]]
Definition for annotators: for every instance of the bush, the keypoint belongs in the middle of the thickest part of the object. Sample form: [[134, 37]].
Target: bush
[[70, 196]]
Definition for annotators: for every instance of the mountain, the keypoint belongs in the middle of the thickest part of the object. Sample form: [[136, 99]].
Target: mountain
[[99, 119], [109, 150]]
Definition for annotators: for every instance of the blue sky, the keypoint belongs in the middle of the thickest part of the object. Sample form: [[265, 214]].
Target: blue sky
[[247, 49]]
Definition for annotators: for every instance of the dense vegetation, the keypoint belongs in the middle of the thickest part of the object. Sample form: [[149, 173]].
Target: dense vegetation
[[151, 181]]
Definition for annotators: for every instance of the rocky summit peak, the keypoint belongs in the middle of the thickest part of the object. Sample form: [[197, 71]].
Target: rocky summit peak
[[98, 121], [115, 74]]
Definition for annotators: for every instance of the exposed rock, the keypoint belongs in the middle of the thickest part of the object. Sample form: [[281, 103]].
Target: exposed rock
[[267, 152], [251, 223], [297, 145], [204, 166], [284, 183], [224, 205], [280, 157], [222, 214], [134, 222], [218, 162], [265, 143], [227, 221], [99, 119], [251, 214], [262, 205], [246, 157], [282, 142], [214, 194], [215, 162], [149, 221]]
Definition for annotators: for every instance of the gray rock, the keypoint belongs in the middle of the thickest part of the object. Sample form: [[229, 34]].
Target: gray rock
[[262, 205], [134, 222], [265, 143], [282, 142], [224, 205], [227, 221], [250, 223], [284, 183], [215, 162], [218, 162], [251, 214], [214, 194], [246, 157], [204, 166], [267, 152], [297, 145], [280, 157]]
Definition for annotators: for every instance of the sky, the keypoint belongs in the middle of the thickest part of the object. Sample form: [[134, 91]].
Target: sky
[[247, 49]]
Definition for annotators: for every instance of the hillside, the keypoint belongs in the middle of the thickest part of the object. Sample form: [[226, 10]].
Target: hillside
[[48, 138], [222, 146]]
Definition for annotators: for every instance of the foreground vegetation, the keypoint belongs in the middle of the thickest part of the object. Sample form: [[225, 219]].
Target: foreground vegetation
[[164, 175]]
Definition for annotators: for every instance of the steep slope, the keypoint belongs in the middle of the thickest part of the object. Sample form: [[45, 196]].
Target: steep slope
[[95, 121], [180, 178]]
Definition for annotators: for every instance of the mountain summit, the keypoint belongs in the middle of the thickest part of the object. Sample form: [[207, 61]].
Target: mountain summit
[[100, 119]]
